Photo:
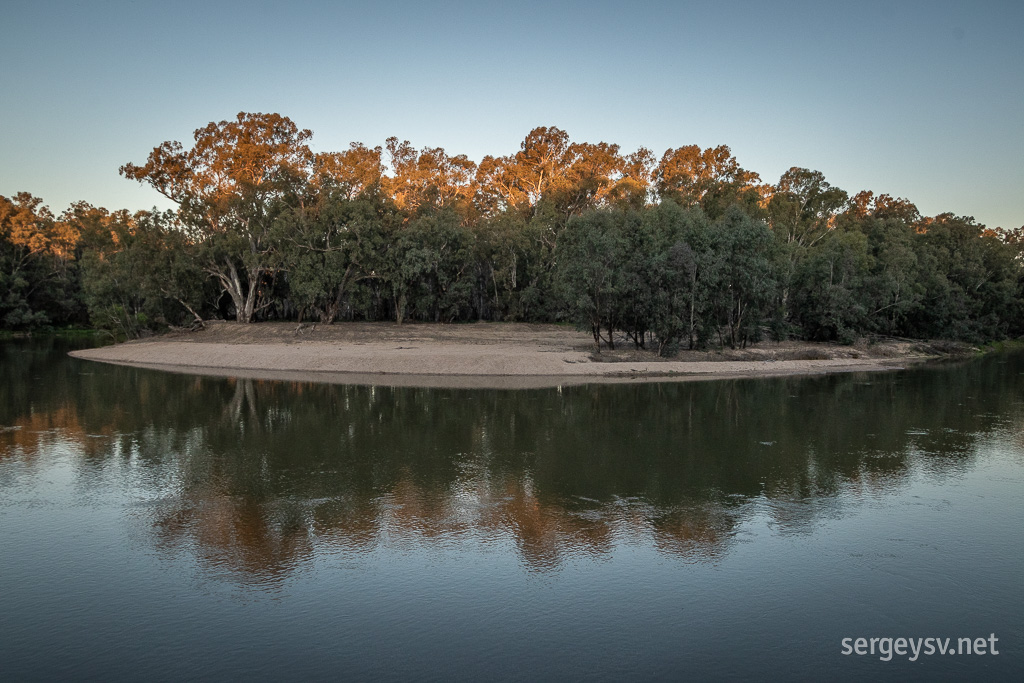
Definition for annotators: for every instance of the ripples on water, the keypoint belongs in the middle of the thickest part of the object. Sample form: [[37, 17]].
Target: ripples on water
[[180, 525]]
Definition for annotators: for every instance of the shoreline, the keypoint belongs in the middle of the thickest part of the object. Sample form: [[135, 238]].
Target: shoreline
[[485, 355]]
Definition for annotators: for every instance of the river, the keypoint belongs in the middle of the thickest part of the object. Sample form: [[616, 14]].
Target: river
[[163, 526]]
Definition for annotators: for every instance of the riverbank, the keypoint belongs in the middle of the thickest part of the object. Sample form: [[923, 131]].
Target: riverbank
[[513, 355]]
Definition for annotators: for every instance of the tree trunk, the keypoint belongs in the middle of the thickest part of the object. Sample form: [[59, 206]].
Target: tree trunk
[[400, 302], [232, 284], [497, 297], [330, 313], [250, 296], [693, 308]]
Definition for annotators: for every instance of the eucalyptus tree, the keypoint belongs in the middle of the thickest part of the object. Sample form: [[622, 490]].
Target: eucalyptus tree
[[747, 278], [631, 187], [802, 208], [328, 246], [519, 181], [589, 273], [684, 268], [429, 179], [138, 272], [710, 178], [38, 270], [830, 300], [229, 187], [634, 312], [549, 181], [972, 281], [350, 173]]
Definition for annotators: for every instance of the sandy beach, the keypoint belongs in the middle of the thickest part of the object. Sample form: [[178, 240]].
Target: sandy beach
[[505, 355]]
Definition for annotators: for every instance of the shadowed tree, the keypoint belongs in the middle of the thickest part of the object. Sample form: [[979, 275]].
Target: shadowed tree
[[37, 264], [803, 207], [972, 281], [503, 252], [138, 271], [589, 273], [746, 282], [829, 287], [328, 248], [895, 287], [684, 273]]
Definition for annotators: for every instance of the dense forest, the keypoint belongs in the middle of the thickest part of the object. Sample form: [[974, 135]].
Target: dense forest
[[686, 251]]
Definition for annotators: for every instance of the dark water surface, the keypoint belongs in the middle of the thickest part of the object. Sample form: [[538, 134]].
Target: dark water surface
[[160, 526]]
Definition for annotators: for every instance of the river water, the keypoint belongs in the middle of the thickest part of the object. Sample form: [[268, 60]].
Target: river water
[[163, 526]]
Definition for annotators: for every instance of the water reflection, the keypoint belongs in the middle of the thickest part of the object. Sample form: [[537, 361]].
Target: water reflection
[[254, 478]]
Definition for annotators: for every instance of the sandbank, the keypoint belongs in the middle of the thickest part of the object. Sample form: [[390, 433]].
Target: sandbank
[[483, 355]]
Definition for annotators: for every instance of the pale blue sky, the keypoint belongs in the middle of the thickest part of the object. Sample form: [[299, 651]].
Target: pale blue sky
[[918, 99]]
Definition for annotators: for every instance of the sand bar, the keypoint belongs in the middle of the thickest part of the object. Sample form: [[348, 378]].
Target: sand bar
[[479, 356]]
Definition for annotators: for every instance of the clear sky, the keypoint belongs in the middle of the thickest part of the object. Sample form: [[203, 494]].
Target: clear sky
[[923, 100]]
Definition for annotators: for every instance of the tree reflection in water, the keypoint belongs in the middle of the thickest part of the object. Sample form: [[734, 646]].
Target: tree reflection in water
[[257, 477]]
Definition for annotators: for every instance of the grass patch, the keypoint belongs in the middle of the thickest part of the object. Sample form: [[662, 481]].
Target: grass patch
[[1003, 346]]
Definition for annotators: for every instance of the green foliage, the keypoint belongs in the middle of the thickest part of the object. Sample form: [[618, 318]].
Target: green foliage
[[829, 288], [557, 231], [683, 270], [503, 252], [326, 249], [38, 284], [589, 278], [438, 267], [894, 287], [143, 277], [746, 282], [971, 282]]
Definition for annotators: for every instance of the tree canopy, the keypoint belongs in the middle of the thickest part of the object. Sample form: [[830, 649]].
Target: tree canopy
[[688, 249]]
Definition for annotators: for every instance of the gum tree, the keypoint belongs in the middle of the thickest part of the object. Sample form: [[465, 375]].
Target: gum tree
[[229, 188]]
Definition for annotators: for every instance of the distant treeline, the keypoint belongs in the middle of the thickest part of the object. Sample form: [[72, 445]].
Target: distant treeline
[[687, 251]]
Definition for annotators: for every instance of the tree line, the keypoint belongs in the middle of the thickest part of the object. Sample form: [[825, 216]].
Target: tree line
[[687, 251]]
